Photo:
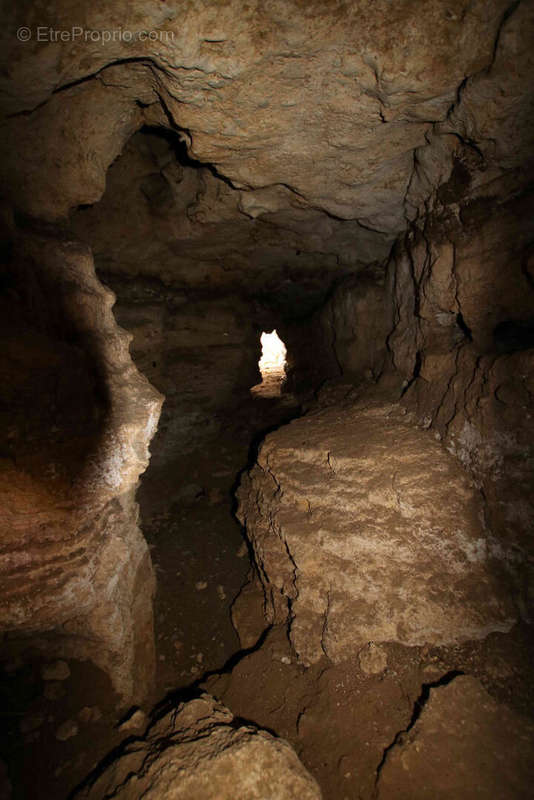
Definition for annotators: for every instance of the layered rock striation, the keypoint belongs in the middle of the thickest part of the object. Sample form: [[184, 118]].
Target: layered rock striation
[[77, 579], [365, 529]]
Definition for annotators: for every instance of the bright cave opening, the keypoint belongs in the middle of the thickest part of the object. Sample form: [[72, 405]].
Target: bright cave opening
[[272, 365]]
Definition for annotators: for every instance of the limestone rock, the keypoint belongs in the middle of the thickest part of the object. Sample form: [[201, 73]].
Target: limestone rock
[[199, 752], [91, 123], [355, 319], [135, 722], [182, 226], [75, 569], [331, 99], [373, 659], [201, 355], [464, 745], [365, 529], [467, 360], [247, 613]]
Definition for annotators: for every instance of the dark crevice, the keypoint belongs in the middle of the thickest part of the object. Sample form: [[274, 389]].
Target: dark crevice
[[194, 690], [504, 19], [176, 143], [102, 766], [85, 79], [511, 336], [415, 374], [236, 723], [416, 713], [171, 703], [185, 159], [466, 330], [257, 441], [185, 136]]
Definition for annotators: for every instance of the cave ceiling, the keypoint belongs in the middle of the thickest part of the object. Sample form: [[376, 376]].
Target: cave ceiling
[[311, 134]]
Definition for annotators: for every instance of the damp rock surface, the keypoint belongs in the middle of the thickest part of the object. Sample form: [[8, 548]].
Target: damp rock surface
[[200, 752]]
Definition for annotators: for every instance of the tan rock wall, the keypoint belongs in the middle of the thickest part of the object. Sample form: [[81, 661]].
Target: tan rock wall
[[467, 361], [76, 573]]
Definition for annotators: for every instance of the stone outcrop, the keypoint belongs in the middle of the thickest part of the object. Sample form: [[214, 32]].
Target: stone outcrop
[[200, 752], [365, 529], [355, 321], [77, 579], [464, 744]]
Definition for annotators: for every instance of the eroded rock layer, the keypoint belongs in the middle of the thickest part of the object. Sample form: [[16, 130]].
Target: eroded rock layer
[[200, 752], [365, 529], [76, 573]]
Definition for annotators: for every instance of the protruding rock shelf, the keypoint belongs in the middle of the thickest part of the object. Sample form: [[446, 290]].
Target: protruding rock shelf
[[365, 529]]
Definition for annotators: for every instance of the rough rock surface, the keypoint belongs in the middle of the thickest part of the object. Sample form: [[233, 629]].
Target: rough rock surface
[[355, 320], [201, 352], [76, 574], [352, 109], [200, 752], [365, 529], [464, 744], [462, 335], [165, 217]]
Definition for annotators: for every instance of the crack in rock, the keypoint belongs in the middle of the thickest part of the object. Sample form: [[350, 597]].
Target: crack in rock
[[418, 707]]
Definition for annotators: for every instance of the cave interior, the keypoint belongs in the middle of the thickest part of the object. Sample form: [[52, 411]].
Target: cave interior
[[267, 441]]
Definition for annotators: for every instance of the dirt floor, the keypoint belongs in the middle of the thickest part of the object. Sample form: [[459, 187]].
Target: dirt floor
[[340, 719]]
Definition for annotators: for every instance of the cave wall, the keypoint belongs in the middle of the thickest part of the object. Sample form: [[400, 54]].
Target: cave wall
[[454, 327], [201, 352], [355, 322], [77, 579], [466, 356], [462, 288]]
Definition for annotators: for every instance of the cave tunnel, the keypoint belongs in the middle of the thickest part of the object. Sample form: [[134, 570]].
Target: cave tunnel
[[272, 366], [266, 293]]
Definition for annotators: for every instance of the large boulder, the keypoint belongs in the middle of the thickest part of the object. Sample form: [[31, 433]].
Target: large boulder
[[200, 752], [365, 529]]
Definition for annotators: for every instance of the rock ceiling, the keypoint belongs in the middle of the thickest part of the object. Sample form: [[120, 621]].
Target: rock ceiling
[[329, 124]]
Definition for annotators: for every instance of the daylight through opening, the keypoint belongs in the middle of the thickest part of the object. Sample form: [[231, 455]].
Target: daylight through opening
[[272, 365]]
